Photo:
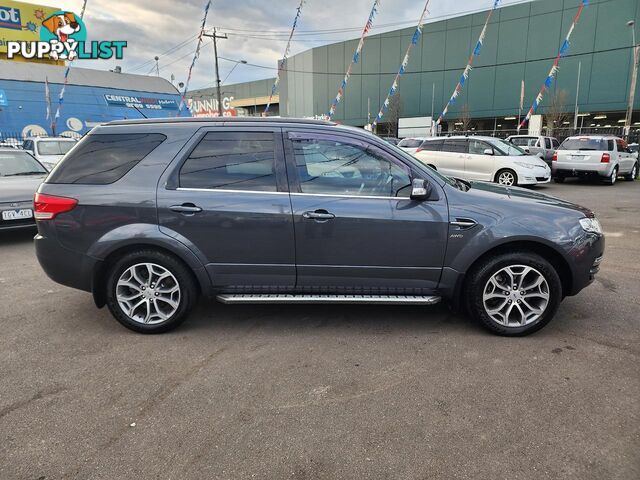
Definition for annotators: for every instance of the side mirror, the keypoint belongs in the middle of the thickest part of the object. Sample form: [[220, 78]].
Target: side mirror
[[488, 151], [420, 189]]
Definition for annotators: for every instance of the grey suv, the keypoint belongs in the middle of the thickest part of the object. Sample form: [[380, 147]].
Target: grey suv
[[148, 215]]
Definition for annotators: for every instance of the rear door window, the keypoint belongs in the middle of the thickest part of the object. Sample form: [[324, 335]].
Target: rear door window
[[232, 161], [455, 145], [104, 159], [432, 145]]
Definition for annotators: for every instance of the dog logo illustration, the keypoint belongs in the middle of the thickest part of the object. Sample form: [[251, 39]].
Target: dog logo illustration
[[64, 28]]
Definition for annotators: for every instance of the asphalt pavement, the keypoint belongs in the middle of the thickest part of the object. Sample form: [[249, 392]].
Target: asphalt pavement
[[324, 392]]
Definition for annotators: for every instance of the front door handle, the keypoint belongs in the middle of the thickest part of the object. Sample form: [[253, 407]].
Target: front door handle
[[185, 208], [318, 215]]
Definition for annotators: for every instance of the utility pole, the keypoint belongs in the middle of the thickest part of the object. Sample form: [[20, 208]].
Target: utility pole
[[215, 36], [575, 115], [433, 100], [634, 78]]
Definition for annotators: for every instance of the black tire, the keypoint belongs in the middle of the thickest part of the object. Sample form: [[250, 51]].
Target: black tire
[[611, 179], [559, 179], [509, 171], [478, 278], [188, 290], [633, 174]]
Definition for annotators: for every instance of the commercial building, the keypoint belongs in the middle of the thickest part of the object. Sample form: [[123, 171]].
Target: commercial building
[[91, 97], [520, 45]]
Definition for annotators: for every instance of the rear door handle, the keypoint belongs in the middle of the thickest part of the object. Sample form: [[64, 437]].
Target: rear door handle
[[185, 208], [318, 215]]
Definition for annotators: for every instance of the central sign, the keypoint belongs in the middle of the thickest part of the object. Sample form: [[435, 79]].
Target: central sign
[[141, 102]]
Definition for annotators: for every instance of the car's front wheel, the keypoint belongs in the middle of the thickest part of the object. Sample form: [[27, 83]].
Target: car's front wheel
[[507, 178], [149, 291], [513, 294]]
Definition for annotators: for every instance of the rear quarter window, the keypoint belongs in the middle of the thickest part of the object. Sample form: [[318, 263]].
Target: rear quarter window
[[103, 159]]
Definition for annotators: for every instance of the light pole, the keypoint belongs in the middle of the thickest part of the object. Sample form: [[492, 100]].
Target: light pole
[[634, 77]]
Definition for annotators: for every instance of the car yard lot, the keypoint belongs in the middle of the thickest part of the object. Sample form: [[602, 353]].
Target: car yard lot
[[310, 392]]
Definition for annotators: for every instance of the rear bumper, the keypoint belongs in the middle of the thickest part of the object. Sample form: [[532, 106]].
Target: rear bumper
[[569, 169], [64, 266], [17, 224]]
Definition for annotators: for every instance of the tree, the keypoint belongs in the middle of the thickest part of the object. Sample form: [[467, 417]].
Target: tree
[[465, 118], [393, 115], [556, 113]]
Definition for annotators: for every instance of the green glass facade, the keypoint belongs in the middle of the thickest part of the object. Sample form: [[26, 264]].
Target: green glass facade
[[521, 43]]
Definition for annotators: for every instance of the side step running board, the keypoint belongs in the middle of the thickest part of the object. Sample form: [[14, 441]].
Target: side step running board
[[367, 299]]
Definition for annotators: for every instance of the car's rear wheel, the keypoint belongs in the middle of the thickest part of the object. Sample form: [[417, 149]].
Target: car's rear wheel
[[633, 174], [611, 179], [507, 178], [513, 294], [149, 291]]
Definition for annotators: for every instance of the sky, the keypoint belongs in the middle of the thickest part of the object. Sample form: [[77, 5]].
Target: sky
[[257, 31]]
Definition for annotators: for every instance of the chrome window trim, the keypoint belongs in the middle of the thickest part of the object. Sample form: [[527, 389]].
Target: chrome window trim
[[373, 197], [266, 192]]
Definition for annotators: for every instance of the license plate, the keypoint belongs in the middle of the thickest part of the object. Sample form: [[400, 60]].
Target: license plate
[[17, 214]]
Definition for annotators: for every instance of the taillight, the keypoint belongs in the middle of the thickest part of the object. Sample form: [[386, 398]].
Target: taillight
[[47, 207], [555, 157], [605, 158]]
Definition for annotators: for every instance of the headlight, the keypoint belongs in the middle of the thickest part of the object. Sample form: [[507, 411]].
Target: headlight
[[591, 225], [525, 165]]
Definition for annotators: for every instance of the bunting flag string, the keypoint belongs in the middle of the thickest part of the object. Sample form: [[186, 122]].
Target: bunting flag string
[[47, 97], [195, 58], [66, 82], [355, 59], [467, 70], [403, 66], [287, 50], [548, 82]]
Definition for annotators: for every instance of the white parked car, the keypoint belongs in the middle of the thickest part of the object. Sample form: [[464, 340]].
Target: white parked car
[[411, 144], [603, 156], [48, 150], [483, 158]]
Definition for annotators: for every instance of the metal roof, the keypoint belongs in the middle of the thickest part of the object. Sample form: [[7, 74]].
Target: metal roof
[[36, 72]]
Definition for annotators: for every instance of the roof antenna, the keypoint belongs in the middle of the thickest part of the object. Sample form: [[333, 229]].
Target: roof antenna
[[140, 111]]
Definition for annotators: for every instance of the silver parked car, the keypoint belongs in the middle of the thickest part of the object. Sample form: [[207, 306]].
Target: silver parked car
[[595, 155], [20, 176], [543, 147]]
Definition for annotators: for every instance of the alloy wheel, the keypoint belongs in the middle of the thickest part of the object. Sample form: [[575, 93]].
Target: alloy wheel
[[148, 293], [506, 178], [516, 296]]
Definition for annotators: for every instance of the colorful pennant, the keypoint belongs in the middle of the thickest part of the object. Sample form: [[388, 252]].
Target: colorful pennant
[[195, 58], [287, 50], [64, 86], [465, 74], [548, 82], [355, 59], [403, 66]]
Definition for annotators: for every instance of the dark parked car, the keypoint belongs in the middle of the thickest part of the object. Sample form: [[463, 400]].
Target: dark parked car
[[20, 175], [150, 214]]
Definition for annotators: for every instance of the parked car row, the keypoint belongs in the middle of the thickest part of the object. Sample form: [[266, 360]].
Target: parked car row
[[521, 159]]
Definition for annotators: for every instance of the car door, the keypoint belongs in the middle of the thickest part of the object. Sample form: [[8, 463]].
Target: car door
[[479, 166], [625, 157], [227, 199], [453, 157], [356, 228]]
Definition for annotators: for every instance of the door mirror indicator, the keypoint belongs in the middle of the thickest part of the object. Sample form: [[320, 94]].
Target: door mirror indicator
[[420, 189], [488, 151]]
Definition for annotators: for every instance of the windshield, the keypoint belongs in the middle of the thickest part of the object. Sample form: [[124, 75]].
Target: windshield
[[584, 143], [54, 147], [19, 163], [506, 148], [410, 143]]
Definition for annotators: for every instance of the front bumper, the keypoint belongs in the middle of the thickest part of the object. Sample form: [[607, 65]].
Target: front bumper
[[534, 176], [17, 224], [586, 257]]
